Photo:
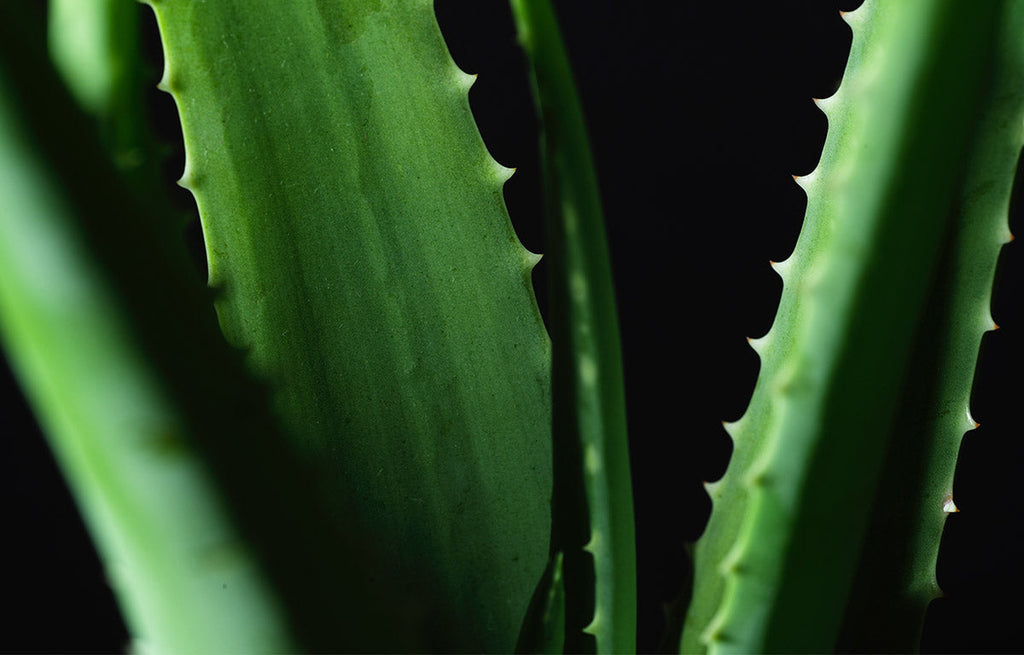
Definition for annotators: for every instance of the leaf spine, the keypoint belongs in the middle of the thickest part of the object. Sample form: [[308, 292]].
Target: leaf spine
[[165, 80], [731, 566], [988, 321], [806, 182], [594, 544], [715, 632], [759, 344], [464, 81], [971, 423], [188, 178], [732, 428], [758, 476], [826, 104], [783, 268], [501, 173], [530, 259], [857, 17], [169, 79], [594, 624]]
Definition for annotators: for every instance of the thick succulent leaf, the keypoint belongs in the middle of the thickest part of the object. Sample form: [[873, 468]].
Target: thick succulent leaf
[[779, 558], [149, 503], [204, 521], [592, 478], [357, 235], [916, 493]]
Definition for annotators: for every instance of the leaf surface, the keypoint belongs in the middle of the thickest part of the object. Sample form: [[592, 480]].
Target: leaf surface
[[911, 146], [158, 430], [357, 235]]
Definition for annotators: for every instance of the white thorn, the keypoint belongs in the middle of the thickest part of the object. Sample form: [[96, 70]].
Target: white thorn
[[759, 344], [731, 427], [502, 173], [970, 419], [783, 267], [805, 182], [855, 18], [826, 104], [464, 80], [187, 179], [165, 81]]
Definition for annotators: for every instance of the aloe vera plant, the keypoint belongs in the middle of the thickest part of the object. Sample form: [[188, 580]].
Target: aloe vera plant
[[386, 453], [808, 434]]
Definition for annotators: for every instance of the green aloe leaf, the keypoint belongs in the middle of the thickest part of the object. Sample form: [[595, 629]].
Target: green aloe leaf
[[916, 490], [358, 240], [161, 434], [912, 187], [593, 510]]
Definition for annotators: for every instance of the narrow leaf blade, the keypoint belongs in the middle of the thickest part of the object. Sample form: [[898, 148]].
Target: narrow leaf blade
[[591, 449], [780, 554]]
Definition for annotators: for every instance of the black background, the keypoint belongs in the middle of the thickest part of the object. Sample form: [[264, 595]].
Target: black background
[[699, 113]]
